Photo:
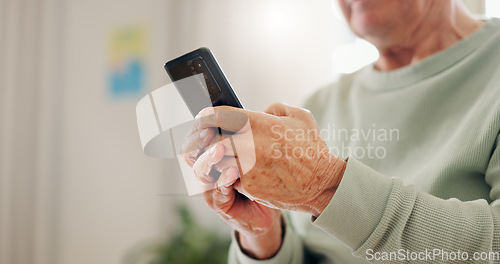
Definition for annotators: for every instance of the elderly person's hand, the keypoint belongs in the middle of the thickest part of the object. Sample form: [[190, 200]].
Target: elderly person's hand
[[293, 169]]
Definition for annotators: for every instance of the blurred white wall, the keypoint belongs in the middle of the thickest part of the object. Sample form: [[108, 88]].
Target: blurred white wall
[[74, 184], [109, 190], [278, 50], [76, 187], [28, 45], [271, 51], [492, 8], [475, 6]]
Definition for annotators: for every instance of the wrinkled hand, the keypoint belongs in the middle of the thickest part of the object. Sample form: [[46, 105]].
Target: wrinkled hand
[[258, 226], [292, 170]]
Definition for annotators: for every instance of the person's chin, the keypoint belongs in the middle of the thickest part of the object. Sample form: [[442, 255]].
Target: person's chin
[[364, 24], [363, 5], [366, 10]]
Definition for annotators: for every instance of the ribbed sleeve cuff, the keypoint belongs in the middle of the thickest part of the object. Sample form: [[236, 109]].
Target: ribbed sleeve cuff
[[291, 250], [357, 206]]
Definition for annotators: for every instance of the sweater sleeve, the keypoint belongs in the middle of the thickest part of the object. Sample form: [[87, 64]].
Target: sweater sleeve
[[374, 214], [291, 250]]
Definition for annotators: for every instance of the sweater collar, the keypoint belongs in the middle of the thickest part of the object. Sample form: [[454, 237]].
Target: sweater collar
[[373, 79]]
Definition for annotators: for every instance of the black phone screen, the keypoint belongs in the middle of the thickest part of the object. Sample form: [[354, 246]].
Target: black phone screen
[[201, 64]]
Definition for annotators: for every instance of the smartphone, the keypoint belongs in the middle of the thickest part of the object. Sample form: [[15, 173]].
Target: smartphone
[[211, 88], [201, 63]]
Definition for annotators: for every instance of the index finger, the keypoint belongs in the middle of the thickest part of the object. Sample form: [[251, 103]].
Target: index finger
[[227, 118]]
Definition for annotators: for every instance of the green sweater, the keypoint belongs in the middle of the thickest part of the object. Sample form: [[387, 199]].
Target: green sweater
[[422, 182]]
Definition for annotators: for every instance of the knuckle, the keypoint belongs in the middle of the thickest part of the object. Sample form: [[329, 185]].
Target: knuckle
[[197, 165], [306, 111], [276, 122], [199, 170], [276, 105], [205, 111], [208, 197], [189, 160], [217, 207], [273, 106]]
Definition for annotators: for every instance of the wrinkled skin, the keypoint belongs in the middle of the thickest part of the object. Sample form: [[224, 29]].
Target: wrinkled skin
[[405, 32], [303, 180]]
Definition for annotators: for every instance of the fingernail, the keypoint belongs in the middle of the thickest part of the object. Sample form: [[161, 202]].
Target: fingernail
[[232, 173], [213, 150], [203, 133], [228, 184], [226, 190]]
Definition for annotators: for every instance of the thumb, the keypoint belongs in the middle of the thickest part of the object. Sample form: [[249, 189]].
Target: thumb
[[278, 109], [224, 194]]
